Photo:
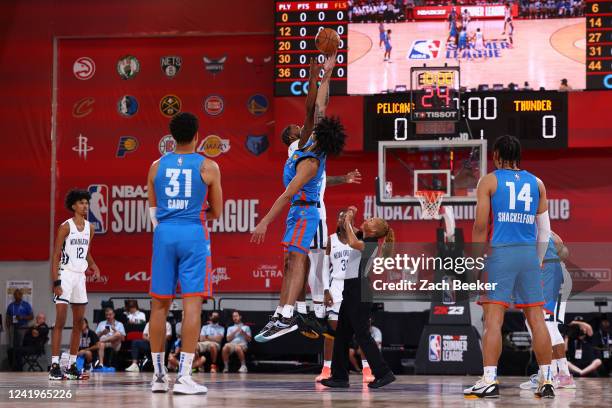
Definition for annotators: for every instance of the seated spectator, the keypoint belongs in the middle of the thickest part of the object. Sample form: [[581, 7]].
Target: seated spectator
[[143, 347], [564, 85], [111, 333], [211, 337], [88, 346], [602, 340], [34, 341], [238, 338], [132, 314], [583, 358], [354, 352]]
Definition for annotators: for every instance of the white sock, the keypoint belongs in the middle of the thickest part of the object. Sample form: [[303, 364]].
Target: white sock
[[185, 363], [158, 362], [287, 311], [319, 309], [72, 359], [54, 359], [554, 366], [64, 358], [563, 367], [279, 310], [490, 373], [327, 363], [546, 372], [364, 363], [301, 307]]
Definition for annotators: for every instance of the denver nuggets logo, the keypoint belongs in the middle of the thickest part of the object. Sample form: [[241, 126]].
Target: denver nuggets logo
[[170, 105], [213, 146], [258, 104], [127, 144]]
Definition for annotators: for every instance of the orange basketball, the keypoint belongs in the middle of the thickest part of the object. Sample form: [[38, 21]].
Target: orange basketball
[[327, 41]]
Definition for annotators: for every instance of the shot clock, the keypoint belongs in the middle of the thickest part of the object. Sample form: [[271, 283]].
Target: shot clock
[[433, 91], [599, 44], [296, 26]]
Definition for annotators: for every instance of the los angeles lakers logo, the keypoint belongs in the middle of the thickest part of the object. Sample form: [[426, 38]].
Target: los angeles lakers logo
[[170, 105], [213, 146]]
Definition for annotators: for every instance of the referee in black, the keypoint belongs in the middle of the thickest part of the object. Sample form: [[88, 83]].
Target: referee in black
[[356, 307]]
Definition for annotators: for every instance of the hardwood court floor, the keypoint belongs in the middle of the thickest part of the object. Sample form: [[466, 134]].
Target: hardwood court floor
[[131, 390], [544, 51]]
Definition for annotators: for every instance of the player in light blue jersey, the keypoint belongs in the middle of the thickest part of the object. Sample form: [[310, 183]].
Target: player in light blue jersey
[[303, 174], [516, 200], [184, 190]]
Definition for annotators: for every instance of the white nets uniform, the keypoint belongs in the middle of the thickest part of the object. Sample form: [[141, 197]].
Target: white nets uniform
[[344, 264], [73, 265], [319, 242], [479, 42]]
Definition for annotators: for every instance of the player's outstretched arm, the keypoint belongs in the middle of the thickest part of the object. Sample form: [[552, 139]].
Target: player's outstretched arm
[[62, 233], [90, 261], [311, 100], [306, 170], [212, 176], [486, 187], [151, 192], [353, 241], [323, 92], [352, 177]]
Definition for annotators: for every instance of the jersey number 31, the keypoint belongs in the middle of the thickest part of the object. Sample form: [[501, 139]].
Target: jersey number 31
[[174, 186]]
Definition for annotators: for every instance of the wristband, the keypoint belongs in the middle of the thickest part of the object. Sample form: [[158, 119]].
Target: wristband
[[57, 283]]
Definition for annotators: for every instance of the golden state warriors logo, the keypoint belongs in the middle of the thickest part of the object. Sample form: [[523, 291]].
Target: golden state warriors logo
[[170, 105], [213, 146], [258, 104]]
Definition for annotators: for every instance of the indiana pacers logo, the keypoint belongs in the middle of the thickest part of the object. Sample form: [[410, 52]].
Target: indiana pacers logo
[[127, 144], [258, 104], [170, 105]]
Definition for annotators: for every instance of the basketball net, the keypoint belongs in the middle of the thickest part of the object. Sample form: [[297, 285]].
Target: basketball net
[[430, 201]]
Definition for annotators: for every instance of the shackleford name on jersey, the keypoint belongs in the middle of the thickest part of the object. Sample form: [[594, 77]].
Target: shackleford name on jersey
[[520, 218]]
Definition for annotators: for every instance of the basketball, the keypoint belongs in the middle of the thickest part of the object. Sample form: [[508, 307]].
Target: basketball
[[327, 41]]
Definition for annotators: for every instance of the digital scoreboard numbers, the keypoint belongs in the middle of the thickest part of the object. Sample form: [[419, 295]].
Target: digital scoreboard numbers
[[433, 94], [599, 44], [296, 25]]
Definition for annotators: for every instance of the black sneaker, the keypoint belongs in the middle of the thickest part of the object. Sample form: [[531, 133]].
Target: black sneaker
[[260, 336], [335, 383], [309, 325], [55, 373], [281, 327], [545, 389], [382, 381], [73, 373]]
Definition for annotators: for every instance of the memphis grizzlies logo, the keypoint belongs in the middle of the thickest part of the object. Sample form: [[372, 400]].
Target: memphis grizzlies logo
[[98, 207], [257, 144], [424, 49]]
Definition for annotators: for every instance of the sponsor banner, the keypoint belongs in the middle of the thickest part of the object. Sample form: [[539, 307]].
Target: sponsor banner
[[492, 11]]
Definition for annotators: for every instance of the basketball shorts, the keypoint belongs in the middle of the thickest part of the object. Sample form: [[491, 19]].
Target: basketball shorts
[[181, 253], [319, 241], [552, 280], [336, 286], [516, 272], [73, 288], [315, 274], [302, 225]]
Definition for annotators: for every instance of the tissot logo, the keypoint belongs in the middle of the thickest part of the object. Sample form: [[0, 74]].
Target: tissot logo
[[141, 276]]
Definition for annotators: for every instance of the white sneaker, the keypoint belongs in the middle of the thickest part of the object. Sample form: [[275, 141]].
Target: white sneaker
[[243, 369], [483, 389], [159, 383], [186, 385], [133, 368], [532, 384]]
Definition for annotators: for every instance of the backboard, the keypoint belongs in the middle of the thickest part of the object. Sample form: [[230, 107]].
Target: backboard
[[451, 166]]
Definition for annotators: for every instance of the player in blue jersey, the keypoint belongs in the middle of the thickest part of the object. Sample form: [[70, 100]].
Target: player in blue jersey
[[388, 47], [463, 43], [302, 176], [184, 190], [516, 200]]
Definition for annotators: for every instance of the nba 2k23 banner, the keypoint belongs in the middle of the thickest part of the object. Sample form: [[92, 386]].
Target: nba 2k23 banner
[[116, 98]]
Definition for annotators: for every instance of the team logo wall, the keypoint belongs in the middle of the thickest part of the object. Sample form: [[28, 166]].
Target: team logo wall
[[424, 49], [213, 105], [128, 67], [435, 347], [167, 144], [98, 208], [120, 208], [170, 105], [214, 66], [171, 65], [258, 64], [82, 147], [257, 104], [127, 106], [213, 146], [83, 107], [84, 68], [447, 347], [127, 144], [257, 144]]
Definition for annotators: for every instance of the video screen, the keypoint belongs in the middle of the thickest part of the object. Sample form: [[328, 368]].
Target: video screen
[[526, 45]]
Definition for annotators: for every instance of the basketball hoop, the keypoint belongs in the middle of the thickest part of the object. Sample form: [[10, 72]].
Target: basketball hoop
[[430, 203]]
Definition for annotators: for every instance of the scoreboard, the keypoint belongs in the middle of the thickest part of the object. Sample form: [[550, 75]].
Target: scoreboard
[[599, 44], [538, 118], [296, 26]]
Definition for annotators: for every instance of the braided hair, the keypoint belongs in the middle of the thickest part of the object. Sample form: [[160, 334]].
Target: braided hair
[[509, 150]]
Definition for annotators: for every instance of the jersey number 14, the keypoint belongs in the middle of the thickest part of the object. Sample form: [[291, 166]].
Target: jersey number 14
[[524, 195]]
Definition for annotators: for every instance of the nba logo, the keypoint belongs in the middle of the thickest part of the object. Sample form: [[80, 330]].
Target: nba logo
[[435, 347], [424, 49], [98, 208]]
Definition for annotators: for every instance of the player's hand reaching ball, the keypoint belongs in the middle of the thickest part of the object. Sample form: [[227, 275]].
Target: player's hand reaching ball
[[353, 177], [259, 235], [314, 69], [330, 62]]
